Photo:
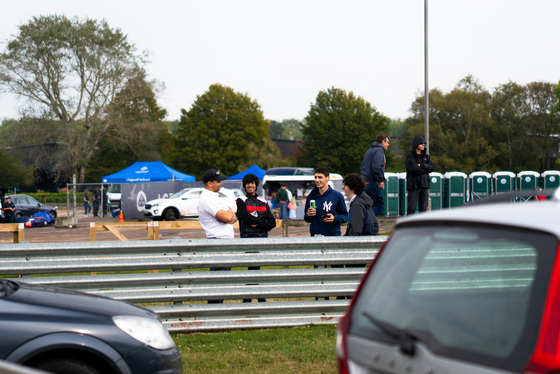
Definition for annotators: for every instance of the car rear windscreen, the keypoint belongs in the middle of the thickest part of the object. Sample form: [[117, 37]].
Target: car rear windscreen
[[470, 292]]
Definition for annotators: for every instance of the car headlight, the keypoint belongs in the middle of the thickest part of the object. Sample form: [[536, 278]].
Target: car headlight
[[146, 330], [156, 204]]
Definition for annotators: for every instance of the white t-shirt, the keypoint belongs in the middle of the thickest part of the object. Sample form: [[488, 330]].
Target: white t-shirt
[[208, 205]]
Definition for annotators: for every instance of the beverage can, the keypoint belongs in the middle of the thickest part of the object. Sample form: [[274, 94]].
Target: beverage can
[[313, 204]]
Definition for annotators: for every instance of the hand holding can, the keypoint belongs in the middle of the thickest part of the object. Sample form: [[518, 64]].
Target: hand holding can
[[311, 211]]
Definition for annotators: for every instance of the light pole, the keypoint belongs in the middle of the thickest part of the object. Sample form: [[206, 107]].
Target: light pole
[[426, 93]]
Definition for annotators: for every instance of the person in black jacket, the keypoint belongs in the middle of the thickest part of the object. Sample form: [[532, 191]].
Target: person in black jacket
[[254, 215], [419, 165], [360, 215]]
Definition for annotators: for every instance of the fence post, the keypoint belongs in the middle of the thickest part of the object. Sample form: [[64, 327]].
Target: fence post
[[92, 233], [18, 234]]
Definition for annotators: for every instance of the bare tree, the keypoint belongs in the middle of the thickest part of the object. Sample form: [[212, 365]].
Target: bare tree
[[70, 70]]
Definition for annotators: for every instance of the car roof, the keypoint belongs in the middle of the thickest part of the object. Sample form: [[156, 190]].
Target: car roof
[[536, 215]]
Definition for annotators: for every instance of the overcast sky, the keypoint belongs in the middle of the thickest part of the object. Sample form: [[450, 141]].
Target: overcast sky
[[282, 53]]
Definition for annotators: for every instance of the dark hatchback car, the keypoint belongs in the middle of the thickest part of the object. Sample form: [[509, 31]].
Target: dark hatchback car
[[27, 206], [67, 332], [466, 290]]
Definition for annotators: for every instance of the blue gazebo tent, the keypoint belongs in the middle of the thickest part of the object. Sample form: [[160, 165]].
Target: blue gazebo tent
[[252, 170], [147, 171]]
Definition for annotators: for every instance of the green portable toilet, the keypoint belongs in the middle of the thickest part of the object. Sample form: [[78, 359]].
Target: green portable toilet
[[454, 189], [391, 192], [550, 179], [528, 180], [480, 185], [403, 194], [503, 181], [436, 190]]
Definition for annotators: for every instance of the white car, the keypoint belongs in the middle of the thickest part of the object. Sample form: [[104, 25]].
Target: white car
[[185, 204]]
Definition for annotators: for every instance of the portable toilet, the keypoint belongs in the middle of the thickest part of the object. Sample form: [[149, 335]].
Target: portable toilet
[[403, 194], [454, 189], [503, 181], [550, 179], [480, 184], [528, 180], [391, 192], [436, 190]]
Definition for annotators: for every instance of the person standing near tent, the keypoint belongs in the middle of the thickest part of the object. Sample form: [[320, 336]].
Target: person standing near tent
[[95, 198]]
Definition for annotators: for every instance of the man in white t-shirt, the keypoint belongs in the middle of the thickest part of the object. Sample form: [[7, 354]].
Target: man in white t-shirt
[[215, 217]]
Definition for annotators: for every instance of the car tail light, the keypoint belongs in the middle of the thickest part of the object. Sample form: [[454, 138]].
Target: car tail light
[[546, 358]]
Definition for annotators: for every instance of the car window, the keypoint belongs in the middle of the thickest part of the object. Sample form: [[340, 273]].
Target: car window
[[32, 201], [474, 293], [192, 194], [18, 200]]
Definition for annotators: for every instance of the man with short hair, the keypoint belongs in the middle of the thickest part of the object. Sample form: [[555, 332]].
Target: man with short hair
[[330, 208], [215, 217], [373, 172]]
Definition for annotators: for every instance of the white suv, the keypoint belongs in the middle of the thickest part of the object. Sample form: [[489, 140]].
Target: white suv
[[185, 204]]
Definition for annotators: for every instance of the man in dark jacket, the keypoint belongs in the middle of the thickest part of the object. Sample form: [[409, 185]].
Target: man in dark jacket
[[360, 215], [419, 165], [373, 173], [254, 215]]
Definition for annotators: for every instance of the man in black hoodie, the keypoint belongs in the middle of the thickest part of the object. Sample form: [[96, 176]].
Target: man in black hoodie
[[419, 165]]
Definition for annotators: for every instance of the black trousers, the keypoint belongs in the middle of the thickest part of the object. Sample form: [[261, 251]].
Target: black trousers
[[418, 197]]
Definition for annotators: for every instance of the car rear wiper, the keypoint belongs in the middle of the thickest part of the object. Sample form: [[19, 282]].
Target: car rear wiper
[[404, 339], [7, 288]]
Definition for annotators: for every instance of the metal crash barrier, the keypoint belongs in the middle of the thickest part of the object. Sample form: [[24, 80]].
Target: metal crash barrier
[[294, 277]]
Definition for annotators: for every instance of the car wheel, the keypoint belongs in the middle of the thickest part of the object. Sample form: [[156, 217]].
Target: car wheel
[[18, 215], [53, 213], [170, 214], [66, 366]]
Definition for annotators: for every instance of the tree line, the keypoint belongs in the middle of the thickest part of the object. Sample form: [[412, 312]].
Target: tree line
[[91, 111]]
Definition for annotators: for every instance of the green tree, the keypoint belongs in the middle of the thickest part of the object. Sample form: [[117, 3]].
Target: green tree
[[508, 133], [12, 172], [139, 132], [70, 70], [543, 124], [217, 130], [338, 130], [459, 122]]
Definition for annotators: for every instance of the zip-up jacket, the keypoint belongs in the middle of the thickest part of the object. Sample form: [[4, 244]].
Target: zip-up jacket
[[251, 211]]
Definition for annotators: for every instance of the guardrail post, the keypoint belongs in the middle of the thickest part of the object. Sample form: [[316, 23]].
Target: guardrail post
[[18, 234], [92, 232]]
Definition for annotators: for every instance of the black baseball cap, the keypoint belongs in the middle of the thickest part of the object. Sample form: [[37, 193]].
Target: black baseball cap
[[212, 175]]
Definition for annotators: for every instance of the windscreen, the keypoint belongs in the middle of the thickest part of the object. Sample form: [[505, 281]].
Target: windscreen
[[471, 292]]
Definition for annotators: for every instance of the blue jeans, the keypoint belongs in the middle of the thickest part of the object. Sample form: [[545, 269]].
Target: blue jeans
[[377, 196], [283, 210]]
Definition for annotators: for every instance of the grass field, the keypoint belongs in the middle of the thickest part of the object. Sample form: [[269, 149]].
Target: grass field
[[308, 350]]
